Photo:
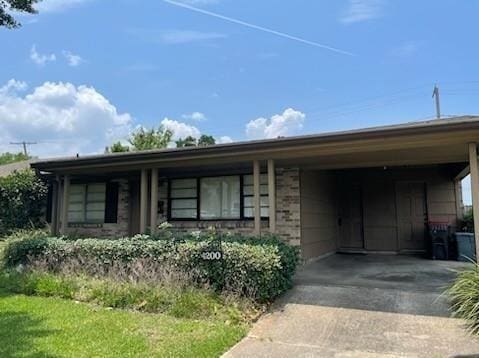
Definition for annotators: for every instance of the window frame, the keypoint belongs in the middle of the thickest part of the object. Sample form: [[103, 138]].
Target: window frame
[[198, 198], [86, 202]]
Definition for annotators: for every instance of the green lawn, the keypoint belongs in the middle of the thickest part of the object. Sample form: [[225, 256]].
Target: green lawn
[[51, 327]]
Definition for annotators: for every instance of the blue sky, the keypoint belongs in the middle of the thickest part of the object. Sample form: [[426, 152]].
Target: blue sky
[[105, 66]]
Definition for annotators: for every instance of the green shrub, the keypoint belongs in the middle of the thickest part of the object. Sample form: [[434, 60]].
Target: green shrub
[[22, 201], [464, 295], [260, 268]]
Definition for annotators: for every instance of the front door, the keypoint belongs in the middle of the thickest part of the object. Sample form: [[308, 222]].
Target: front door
[[351, 217], [411, 215]]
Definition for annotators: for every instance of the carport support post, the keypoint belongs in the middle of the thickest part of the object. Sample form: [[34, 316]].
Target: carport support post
[[154, 200], [257, 197], [65, 197], [143, 200], [474, 168], [272, 196]]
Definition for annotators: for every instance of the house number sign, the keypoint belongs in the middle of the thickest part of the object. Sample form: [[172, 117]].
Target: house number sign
[[211, 255]]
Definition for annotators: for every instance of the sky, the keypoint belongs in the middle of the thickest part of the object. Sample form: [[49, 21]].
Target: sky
[[84, 73]]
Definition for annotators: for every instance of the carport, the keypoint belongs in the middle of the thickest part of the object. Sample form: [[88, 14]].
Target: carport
[[379, 194]]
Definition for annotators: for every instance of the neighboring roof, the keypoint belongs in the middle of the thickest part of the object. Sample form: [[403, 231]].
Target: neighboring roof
[[383, 132], [8, 169]]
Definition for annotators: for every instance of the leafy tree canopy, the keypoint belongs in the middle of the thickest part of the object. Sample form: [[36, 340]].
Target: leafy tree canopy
[[189, 141], [7, 158], [8, 6], [144, 139]]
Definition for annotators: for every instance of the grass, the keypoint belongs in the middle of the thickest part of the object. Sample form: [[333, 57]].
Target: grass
[[464, 295], [32, 326], [53, 327]]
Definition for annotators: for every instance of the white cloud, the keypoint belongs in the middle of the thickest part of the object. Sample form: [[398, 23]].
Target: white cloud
[[41, 59], [73, 59], [63, 118], [183, 130], [174, 37], [180, 129], [224, 139], [57, 5], [287, 123], [195, 116], [13, 86], [362, 10]]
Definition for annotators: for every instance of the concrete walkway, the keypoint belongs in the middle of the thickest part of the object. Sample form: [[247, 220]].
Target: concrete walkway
[[363, 306]]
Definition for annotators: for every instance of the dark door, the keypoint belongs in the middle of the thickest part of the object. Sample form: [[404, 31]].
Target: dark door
[[351, 217], [411, 214]]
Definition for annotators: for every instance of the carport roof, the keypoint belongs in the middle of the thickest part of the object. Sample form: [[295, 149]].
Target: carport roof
[[430, 134]]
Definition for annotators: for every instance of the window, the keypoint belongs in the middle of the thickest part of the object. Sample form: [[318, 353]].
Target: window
[[86, 203], [220, 198], [184, 198], [216, 198], [248, 196]]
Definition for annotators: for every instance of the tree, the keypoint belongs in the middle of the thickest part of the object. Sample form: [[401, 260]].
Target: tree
[[7, 158], [8, 6], [144, 139], [206, 140], [187, 142], [193, 142], [22, 201], [117, 148]]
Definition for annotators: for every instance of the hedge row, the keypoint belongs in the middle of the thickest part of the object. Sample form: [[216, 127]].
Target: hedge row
[[261, 268]]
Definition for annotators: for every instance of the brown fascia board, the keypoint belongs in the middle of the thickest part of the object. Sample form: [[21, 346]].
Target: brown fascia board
[[257, 146]]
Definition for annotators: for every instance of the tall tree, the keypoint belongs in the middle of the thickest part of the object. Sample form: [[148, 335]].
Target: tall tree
[[143, 139], [187, 142], [8, 6], [117, 148], [206, 140], [193, 142]]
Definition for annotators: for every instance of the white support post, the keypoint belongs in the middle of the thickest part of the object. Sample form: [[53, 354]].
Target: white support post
[[257, 197], [473, 164], [143, 200], [272, 196], [154, 200], [65, 200]]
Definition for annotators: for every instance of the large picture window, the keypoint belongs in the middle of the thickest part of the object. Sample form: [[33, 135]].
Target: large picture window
[[216, 198], [220, 198], [86, 203]]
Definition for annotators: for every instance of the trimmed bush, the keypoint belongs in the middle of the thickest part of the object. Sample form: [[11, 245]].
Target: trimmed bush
[[260, 268], [464, 295]]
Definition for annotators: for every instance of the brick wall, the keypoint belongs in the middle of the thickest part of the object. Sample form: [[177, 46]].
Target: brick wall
[[119, 229]]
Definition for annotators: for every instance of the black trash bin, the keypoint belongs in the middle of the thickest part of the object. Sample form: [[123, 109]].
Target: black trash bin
[[466, 246], [439, 240]]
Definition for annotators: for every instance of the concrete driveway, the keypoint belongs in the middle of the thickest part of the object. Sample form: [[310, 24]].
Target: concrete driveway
[[363, 306]]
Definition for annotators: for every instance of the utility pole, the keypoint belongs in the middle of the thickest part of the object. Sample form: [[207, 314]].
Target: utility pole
[[24, 144], [435, 94]]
